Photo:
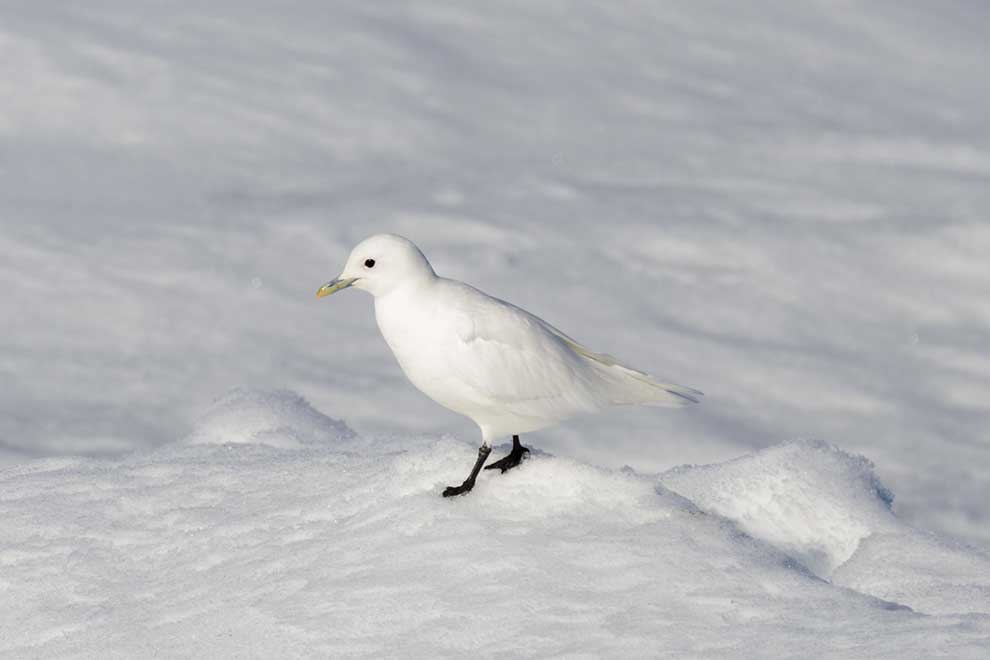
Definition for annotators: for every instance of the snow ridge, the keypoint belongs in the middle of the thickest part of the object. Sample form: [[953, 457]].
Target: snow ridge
[[828, 510], [276, 531]]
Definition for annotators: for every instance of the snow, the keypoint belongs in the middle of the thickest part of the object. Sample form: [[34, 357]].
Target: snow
[[828, 511], [813, 500], [341, 546], [804, 187], [280, 419]]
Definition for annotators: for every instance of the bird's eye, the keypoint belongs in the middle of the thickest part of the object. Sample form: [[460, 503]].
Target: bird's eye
[[369, 263]]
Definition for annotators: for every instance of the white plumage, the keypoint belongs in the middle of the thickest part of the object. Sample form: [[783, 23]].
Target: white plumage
[[508, 370]]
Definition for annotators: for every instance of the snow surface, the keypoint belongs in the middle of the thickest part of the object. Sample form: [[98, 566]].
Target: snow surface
[[827, 510], [804, 186], [340, 545], [805, 190]]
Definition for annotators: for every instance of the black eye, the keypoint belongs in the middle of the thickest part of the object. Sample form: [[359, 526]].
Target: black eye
[[369, 263]]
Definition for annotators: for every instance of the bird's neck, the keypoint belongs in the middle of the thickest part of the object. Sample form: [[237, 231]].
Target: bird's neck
[[402, 315], [409, 290]]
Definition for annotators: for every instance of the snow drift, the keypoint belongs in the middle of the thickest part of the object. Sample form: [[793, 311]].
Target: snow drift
[[811, 500], [827, 510], [279, 419], [276, 531]]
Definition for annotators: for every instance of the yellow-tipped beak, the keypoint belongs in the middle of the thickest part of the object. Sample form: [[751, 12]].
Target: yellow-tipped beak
[[335, 286]]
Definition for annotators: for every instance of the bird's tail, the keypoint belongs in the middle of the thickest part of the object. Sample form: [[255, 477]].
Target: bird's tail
[[633, 387]]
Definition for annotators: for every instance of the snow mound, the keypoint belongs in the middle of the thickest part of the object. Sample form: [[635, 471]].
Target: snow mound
[[279, 418], [810, 499], [337, 545], [930, 575], [826, 509]]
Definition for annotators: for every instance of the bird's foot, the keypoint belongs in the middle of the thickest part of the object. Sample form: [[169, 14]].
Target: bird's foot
[[514, 458], [451, 491], [468, 484]]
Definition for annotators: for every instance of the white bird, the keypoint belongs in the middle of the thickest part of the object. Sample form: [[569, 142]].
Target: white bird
[[508, 370]]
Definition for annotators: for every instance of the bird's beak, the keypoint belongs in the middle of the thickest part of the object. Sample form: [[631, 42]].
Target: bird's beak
[[334, 286]]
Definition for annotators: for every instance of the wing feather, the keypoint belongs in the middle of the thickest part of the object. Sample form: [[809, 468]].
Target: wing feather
[[511, 358], [507, 357]]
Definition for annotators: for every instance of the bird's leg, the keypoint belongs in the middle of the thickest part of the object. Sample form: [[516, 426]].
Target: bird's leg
[[514, 458], [468, 484]]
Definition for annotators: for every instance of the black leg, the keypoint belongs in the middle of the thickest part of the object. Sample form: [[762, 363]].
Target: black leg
[[514, 458], [468, 484]]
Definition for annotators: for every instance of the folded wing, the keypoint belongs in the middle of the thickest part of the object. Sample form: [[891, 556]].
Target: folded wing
[[513, 359]]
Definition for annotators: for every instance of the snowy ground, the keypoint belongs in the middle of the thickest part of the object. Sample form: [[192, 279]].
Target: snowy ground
[[781, 204], [273, 531]]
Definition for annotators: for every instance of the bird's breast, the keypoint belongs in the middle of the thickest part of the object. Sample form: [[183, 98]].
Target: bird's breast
[[420, 339]]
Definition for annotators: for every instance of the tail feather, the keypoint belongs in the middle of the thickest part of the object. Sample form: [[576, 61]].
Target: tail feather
[[633, 386]]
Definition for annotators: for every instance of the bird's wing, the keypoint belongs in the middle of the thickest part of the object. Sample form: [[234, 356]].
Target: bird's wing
[[529, 364], [633, 385], [507, 357]]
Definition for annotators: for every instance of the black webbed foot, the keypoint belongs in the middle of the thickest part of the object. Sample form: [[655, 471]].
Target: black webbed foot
[[451, 491], [468, 484], [515, 457]]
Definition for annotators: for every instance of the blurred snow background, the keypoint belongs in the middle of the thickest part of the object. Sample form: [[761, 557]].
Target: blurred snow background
[[781, 204]]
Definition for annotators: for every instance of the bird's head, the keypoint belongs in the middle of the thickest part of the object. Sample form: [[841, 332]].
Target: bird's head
[[380, 264]]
